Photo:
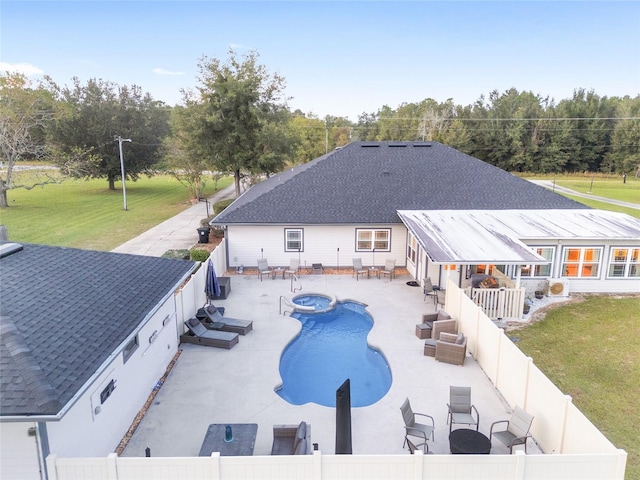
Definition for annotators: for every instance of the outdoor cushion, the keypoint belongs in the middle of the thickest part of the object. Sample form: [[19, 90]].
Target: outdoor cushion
[[301, 434], [442, 315], [460, 339], [301, 448]]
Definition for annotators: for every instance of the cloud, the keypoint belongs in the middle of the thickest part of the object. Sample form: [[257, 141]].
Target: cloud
[[162, 71], [238, 46], [24, 68]]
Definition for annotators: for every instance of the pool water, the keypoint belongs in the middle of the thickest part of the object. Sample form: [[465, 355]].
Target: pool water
[[331, 347], [318, 302]]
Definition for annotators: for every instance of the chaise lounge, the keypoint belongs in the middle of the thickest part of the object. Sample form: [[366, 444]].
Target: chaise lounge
[[200, 335], [212, 319], [292, 439]]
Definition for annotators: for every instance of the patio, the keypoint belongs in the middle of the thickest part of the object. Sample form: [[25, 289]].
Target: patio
[[209, 385]]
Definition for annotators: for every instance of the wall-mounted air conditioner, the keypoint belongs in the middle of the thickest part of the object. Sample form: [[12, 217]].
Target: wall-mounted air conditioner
[[558, 287]]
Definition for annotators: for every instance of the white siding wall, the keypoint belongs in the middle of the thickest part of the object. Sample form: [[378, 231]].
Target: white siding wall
[[83, 432], [19, 452], [321, 244]]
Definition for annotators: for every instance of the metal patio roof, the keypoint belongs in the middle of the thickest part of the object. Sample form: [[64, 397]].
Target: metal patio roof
[[499, 236]]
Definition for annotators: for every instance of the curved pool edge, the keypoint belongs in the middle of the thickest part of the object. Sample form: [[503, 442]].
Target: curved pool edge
[[310, 309]]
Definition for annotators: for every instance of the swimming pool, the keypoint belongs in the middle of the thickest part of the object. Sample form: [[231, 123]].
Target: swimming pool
[[331, 347]]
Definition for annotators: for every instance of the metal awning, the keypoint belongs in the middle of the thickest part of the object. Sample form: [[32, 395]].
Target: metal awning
[[498, 236]]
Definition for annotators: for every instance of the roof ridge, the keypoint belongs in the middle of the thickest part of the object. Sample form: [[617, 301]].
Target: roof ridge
[[34, 377]]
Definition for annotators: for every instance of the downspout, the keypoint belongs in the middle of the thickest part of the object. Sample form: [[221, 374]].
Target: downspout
[[42, 438]]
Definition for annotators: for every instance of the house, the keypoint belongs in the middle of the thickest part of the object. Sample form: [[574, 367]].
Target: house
[[84, 337], [436, 211]]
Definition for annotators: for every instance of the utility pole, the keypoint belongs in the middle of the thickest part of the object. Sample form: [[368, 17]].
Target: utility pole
[[119, 139]]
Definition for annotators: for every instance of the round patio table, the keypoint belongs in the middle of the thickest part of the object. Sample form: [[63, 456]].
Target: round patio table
[[466, 441]]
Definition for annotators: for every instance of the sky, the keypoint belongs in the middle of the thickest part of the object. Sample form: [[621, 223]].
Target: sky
[[338, 58]]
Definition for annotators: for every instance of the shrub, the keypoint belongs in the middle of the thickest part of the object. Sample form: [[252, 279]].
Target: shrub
[[221, 205], [199, 255], [176, 254]]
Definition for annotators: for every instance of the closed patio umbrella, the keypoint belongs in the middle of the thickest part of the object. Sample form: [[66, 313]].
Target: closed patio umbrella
[[343, 418], [211, 286]]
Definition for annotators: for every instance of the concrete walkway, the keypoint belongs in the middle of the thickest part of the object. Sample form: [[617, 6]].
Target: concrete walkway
[[178, 232]]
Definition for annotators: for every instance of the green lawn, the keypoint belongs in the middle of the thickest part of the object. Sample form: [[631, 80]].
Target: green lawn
[[605, 187], [86, 214], [591, 350]]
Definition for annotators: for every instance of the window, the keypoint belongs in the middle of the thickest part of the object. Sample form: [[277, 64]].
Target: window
[[108, 390], [412, 247], [131, 347], [293, 240], [581, 262], [368, 240], [540, 270], [624, 262]]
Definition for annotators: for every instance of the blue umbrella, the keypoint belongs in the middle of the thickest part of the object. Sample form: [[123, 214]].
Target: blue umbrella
[[212, 286]]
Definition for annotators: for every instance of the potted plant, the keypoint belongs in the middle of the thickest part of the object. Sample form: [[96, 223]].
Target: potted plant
[[527, 306], [541, 291]]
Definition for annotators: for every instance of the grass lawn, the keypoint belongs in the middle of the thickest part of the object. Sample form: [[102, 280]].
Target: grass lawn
[[602, 185], [605, 187], [86, 214], [590, 349]]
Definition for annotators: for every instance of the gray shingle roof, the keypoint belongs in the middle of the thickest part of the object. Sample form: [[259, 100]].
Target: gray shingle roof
[[366, 182], [63, 311]]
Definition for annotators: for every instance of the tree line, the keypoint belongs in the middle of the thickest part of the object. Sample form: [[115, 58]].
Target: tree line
[[237, 122]]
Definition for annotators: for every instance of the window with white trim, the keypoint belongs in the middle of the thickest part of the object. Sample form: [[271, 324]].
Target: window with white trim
[[293, 240], [540, 270], [412, 248], [581, 262], [369, 239], [624, 262]]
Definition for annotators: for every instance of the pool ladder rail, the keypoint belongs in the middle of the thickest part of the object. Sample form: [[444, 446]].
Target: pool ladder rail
[[288, 303], [294, 278]]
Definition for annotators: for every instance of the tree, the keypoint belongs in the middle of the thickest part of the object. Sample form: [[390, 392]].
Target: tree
[[309, 132], [97, 113], [183, 159], [24, 115], [242, 108]]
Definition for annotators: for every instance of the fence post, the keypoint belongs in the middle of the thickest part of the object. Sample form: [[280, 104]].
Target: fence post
[[317, 465], [52, 472], [112, 467], [418, 464], [521, 467], [565, 413], [215, 466]]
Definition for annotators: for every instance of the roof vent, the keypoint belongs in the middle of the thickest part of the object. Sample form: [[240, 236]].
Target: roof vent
[[370, 145], [7, 249], [397, 144], [421, 144]]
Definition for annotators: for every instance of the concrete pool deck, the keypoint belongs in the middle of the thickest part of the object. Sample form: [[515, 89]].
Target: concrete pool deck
[[210, 385]]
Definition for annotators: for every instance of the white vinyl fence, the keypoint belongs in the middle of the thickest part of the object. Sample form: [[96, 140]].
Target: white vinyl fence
[[575, 448]]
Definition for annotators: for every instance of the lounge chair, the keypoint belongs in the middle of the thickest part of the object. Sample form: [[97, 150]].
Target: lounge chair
[[420, 430], [292, 439], [517, 430], [460, 408], [264, 268], [200, 335], [214, 320], [389, 268], [439, 327], [358, 269], [451, 348]]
